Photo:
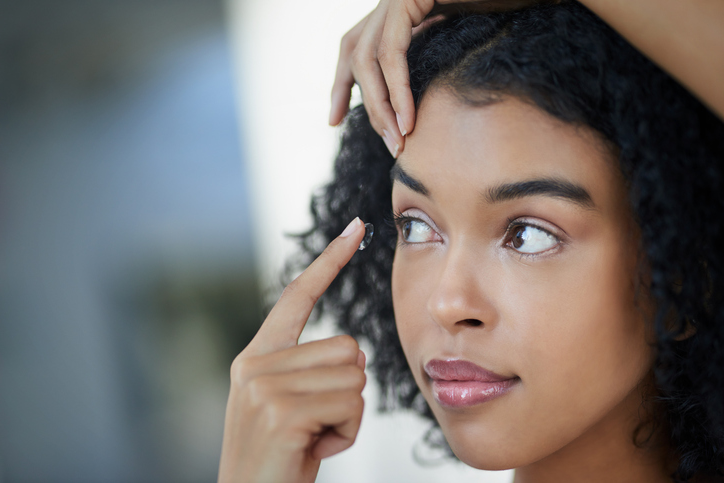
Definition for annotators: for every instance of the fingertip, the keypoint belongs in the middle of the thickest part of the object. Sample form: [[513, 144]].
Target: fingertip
[[409, 118], [404, 106], [340, 105], [404, 110], [392, 145], [361, 360], [401, 124], [401, 147], [353, 226], [339, 109], [336, 115]]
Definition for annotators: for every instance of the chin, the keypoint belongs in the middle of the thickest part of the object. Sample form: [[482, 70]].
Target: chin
[[482, 449], [488, 464], [483, 458]]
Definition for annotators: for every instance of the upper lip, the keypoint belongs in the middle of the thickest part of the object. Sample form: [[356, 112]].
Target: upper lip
[[459, 370]]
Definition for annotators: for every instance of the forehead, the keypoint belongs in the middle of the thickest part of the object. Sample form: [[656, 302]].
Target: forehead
[[504, 142]]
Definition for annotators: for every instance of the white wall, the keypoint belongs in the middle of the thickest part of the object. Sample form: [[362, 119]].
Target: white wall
[[286, 55]]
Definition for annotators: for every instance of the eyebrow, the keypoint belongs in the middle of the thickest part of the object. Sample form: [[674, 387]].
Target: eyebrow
[[551, 187], [399, 174]]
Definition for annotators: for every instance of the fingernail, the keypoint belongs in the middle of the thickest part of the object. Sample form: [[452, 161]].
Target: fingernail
[[401, 125], [351, 228], [391, 145]]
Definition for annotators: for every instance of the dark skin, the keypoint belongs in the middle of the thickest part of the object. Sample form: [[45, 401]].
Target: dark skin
[[559, 312], [292, 405]]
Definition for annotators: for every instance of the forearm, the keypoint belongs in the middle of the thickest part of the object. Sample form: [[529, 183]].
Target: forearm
[[685, 38]]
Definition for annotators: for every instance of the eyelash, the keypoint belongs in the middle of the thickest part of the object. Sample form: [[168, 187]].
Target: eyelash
[[399, 219]]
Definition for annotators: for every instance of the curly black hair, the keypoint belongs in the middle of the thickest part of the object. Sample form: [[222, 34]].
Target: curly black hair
[[570, 64]]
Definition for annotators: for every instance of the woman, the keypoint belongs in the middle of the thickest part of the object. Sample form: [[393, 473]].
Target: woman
[[551, 292]]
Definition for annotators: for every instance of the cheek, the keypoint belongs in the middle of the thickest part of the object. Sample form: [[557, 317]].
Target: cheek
[[582, 342], [584, 317], [408, 300], [589, 314]]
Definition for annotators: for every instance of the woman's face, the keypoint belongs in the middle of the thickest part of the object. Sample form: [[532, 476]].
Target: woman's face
[[517, 253]]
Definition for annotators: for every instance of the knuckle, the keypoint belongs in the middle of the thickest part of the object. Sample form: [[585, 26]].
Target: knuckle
[[348, 43], [241, 369], [385, 52], [356, 378], [371, 100], [361, 58], [373, 113], [347, 345], [290, 289], [355, 403], [355, 58], [417, 9], [295, 289]]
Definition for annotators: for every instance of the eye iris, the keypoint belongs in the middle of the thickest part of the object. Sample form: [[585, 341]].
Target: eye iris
[[406, 229], [518, 237]]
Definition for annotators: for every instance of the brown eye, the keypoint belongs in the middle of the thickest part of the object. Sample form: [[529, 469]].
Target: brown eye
[[406, 228], [531, 239], [518, 239], [414, 230]]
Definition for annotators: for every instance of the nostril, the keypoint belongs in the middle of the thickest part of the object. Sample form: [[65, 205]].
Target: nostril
[[472, 322]]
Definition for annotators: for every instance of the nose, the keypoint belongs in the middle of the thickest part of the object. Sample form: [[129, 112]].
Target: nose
[[462, 297]]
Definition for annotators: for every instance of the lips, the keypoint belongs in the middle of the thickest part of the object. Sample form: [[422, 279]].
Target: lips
[[459, 384]]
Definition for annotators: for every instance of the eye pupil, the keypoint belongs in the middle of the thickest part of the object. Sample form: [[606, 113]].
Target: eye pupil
[[518, 239]]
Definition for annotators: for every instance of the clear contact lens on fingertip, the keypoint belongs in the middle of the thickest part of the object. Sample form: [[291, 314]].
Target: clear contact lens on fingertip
[[369, 232]]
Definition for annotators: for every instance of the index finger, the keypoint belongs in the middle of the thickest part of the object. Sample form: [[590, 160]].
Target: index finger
[[343, 78], [285, 322], [401, 18]]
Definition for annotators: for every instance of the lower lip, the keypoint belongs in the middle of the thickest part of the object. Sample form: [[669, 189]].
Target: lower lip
[[460, 394]]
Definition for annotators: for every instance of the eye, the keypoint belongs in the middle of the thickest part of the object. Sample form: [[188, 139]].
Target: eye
[[531, 239], [414, 230]]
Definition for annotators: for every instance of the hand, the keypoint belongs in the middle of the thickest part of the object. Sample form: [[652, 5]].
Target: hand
[[292, 405], [374, 54]]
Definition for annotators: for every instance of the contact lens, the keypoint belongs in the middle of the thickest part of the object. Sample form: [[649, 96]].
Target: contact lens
[[369, 232]]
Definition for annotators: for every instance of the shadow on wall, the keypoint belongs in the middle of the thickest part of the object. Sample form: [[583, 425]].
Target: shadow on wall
[[127, 280]]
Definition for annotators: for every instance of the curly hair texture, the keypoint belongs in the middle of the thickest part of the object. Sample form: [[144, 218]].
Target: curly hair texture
[[570, 64]]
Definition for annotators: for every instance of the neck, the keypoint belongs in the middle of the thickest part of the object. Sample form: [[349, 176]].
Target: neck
[[607, 452]]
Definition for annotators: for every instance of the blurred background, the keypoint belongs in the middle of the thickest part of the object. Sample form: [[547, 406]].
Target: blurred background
[[153, 154]]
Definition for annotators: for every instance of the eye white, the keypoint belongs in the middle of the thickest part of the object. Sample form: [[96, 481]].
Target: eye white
[[415, 231], [529, 239]]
